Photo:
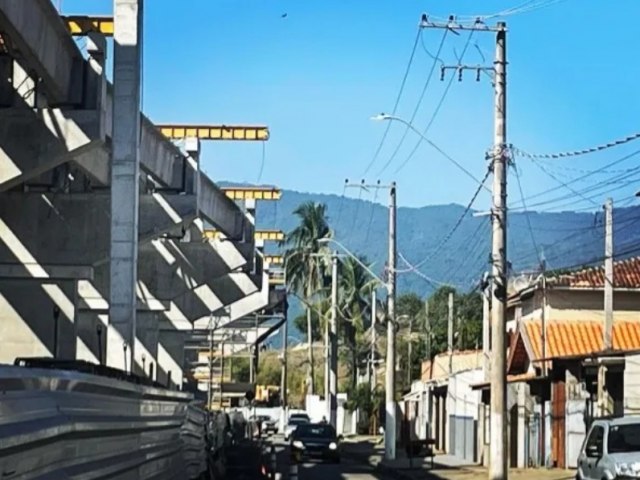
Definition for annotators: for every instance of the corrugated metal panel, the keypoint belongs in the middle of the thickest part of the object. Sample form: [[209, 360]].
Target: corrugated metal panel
[[67, 424]]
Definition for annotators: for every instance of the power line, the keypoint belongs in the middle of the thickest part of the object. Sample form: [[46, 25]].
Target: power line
[[262, 161], [395, 106], [437, 109], [417, 107], [524, 205], [565, 185], [448, 236], [576, 153]]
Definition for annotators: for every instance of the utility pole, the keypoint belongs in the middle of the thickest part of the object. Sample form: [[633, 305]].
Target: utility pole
[[283, 372], [390, 380], [409, 352], [210, 402], [498, 425], [333, 344], [608, 302], [450, 333], [221, 372], [374, 308], [486, 329]]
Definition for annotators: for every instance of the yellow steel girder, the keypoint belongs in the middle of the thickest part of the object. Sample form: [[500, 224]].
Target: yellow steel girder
[[274, 259], [267, 235], [80, 25], [253, 193], [215, 132]]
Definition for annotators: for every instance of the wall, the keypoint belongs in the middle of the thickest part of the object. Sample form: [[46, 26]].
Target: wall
[[632, 385], [462, 414], [589, 305], [27, 322]]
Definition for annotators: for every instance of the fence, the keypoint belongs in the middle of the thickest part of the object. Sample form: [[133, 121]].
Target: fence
[[71, 424]]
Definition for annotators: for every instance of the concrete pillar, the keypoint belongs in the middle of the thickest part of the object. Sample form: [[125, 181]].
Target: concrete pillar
[[521, 425], [125, 187]]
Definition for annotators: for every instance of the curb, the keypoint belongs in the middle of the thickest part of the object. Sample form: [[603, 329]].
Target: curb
[[379, 467]]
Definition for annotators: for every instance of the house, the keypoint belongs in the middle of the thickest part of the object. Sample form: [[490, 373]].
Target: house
[[442, 405], [559, 376]]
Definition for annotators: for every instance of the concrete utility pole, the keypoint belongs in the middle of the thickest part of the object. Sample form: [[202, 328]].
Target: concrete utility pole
[[125, 182], [333, 344], [283, 372], [374, 312], [498, 436], [486, 331], [409, 352], [427, 329], [450, 333], [390, 380], [608, 303], [498, 425]]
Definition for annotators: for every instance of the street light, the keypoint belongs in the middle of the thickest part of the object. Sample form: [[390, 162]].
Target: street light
[[387, 117]]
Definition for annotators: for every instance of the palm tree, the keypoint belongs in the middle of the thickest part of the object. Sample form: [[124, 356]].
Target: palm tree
[[355, 307], [306, 263]]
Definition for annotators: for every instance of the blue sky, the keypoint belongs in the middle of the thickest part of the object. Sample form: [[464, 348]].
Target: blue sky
[[316, 76]]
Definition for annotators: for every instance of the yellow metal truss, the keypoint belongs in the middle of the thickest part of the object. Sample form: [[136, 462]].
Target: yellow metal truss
[[276, 278], [274, 259], [266, 235], [80, 25], [253, 193], [215, 132]]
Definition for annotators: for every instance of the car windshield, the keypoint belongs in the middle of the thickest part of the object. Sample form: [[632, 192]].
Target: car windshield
[[624, 438], [298, 421], [315, 431]]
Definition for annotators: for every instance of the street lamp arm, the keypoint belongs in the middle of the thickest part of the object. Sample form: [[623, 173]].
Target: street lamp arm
[[384, 116], [357, 260]]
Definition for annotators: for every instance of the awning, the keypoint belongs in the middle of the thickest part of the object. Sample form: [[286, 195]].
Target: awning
[[523, 377]]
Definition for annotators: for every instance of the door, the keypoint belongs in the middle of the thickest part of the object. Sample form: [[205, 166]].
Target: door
[[588, 465]]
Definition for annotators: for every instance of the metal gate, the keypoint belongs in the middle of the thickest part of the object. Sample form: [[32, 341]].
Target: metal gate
[[462, 438]]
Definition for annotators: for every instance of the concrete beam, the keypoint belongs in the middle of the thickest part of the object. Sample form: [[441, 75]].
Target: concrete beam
[[35, 141], [46, 47], [73, 229], [222, 212], [51, 272], [170, 268]]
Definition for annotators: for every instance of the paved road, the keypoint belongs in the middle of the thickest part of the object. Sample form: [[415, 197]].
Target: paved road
[[346, 470]]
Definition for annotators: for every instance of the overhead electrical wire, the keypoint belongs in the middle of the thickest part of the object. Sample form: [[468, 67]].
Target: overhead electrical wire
[[577, 153], [527, 214], [418, 104], [448, 236], [437, 109], [397, 102]]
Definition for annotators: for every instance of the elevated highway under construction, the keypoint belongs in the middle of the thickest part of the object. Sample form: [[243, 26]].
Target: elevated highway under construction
[[126, 273]]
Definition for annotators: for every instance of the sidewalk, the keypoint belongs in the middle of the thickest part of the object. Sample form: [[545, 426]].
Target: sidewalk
[[446, 467]]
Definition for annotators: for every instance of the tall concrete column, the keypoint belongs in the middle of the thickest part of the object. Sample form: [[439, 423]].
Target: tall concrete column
[[125, 172]]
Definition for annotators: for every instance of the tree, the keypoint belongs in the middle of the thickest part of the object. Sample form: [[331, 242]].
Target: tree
[[317, 323], [306, 263], [354, 297]]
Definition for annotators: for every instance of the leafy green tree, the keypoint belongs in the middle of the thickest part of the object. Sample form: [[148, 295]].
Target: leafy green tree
[[354, 296], [306, 262]]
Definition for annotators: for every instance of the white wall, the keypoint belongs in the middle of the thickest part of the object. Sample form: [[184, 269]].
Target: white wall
[[632, 385], [462, 401]]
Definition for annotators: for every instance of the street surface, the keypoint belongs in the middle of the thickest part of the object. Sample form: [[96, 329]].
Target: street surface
[[346, 470]]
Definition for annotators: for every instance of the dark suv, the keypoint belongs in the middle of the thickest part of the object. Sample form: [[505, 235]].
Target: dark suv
[[315, 441]]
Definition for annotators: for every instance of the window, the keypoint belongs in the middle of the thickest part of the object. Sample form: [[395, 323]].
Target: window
[[313, 430], [596, 437], [624, 438]]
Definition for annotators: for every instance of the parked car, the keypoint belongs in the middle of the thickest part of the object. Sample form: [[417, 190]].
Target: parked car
[[611, 450], [267, 424], [315, 441], [293, 423]]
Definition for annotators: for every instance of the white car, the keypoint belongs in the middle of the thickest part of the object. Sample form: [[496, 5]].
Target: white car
[[292, 424], [611, 450]]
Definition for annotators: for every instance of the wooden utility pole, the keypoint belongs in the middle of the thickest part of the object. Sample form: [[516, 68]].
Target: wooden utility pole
[[390, 380]]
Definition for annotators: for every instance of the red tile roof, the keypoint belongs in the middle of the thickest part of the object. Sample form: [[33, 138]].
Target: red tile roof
[[626, 274], [570, 338]]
